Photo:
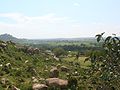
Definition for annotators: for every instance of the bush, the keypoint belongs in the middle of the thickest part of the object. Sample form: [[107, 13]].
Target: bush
[[105, 69]]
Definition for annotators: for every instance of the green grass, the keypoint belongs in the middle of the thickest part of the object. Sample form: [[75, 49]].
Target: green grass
[[20, 73], [80, 61]]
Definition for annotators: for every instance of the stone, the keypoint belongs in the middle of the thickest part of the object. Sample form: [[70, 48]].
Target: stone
[[54, 73], [39, 87], [8, 65], [3, 45], [56, 58], [57, 82], [41, 79], [35, 80], [64, 69]]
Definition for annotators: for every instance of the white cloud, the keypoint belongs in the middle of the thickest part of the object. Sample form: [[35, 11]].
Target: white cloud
[[20, 18], [76, 4], [33, 26], [14, 16], [52, 26]]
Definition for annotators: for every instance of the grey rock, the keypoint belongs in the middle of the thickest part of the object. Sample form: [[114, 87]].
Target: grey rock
[[39, 87]]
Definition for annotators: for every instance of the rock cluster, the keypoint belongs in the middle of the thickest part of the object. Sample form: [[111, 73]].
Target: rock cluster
[[53, 81]]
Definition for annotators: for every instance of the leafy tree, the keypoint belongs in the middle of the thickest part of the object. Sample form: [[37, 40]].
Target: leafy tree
[[105, 69], [59, 51]]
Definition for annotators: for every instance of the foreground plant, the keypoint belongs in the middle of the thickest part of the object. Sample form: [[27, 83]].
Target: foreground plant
[[105, 68]]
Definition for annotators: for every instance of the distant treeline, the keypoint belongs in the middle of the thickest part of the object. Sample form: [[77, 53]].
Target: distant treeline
[[81, 48]]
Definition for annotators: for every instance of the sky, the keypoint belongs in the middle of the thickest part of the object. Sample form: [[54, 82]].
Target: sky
[[40, 19]]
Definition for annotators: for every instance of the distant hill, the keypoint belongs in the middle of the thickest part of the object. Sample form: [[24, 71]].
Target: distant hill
[[8, 37]]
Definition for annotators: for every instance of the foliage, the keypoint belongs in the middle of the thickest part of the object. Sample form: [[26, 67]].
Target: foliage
[[59, 51], [105, 69], [18, 67], [99, 68]]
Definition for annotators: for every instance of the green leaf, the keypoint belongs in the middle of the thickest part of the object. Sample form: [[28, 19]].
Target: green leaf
[[99, 36], [98, 39], [102, 33], [114, 41], [108, 39], [117, 38]]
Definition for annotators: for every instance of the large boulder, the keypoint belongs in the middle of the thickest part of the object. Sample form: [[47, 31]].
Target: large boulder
[[39, 87], [57, 82], [64, 69], [54, 73]]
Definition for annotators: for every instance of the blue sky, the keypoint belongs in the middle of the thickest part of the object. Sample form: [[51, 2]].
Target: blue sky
[[59, 18]]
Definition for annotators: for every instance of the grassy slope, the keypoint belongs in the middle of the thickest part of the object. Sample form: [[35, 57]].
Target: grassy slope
[[20, 73]]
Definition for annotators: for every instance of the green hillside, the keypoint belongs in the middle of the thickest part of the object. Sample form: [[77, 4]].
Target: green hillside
[[18, 66], [23, 67]]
